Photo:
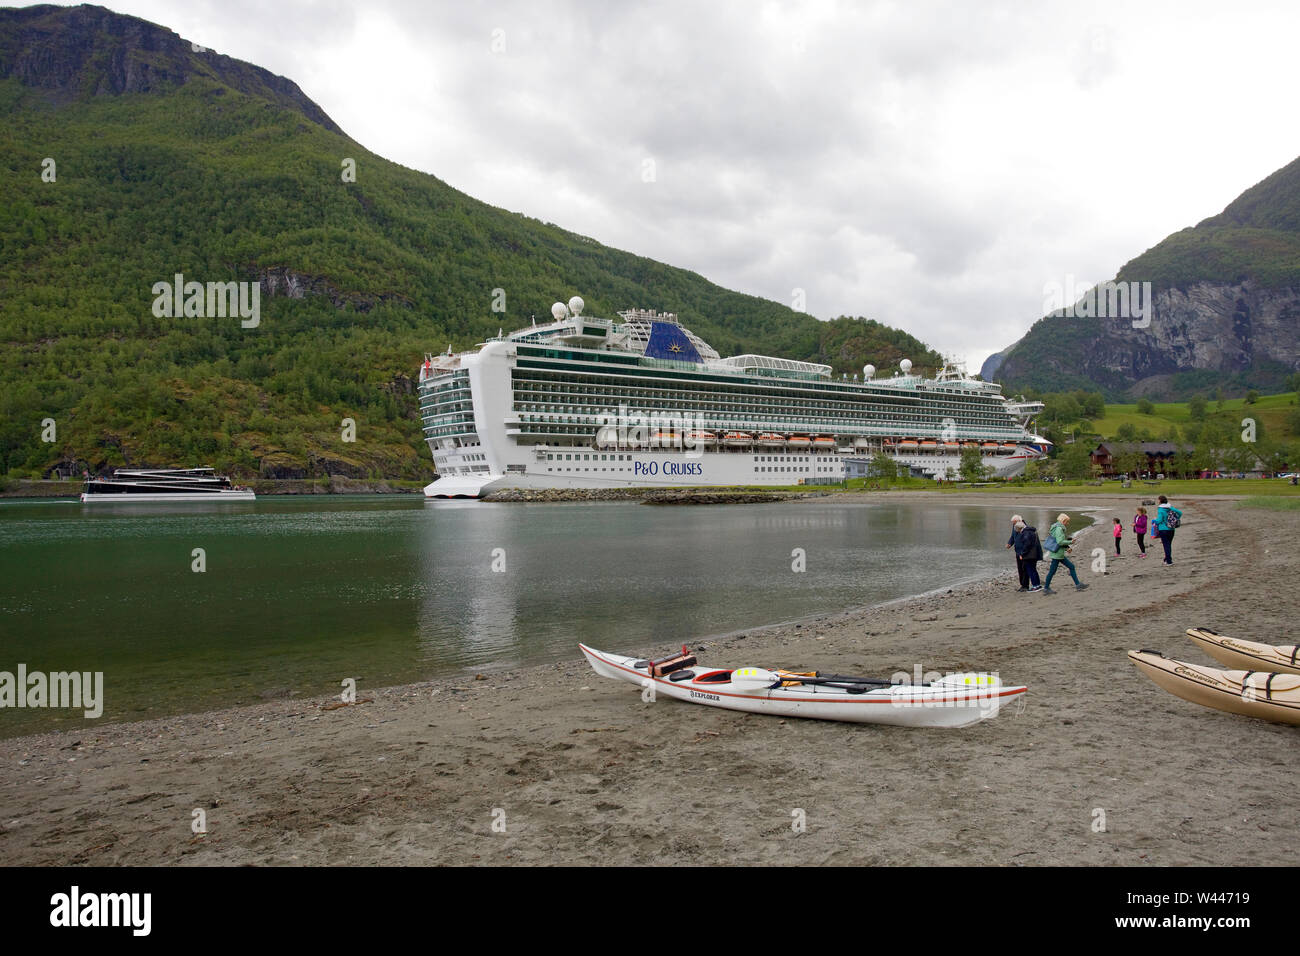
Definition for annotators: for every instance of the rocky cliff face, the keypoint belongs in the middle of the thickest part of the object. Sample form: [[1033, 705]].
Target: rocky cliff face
[[989, 370], [1227, 328], [1246, 334], [1226, 311], [75, 52]]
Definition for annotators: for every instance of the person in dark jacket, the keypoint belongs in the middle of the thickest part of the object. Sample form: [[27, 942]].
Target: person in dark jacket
[[1029, 550], [1011, 543]]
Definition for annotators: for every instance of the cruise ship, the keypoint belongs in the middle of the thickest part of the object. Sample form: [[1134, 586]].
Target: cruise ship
[[584, 402]]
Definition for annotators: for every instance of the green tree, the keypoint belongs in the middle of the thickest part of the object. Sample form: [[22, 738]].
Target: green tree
[[883, 466], [1211, 449], [1130, 462], [1274, 457], [1126, 432], [1252, 397], [972, 466], [1075, 460], [1061, 409], [1240, 457], [1146, 407], [1196, 407]]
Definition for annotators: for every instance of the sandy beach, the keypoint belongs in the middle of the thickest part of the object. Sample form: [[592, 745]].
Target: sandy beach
[[555, 765]]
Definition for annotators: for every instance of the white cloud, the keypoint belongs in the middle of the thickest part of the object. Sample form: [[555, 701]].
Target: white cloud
[[928, 165]]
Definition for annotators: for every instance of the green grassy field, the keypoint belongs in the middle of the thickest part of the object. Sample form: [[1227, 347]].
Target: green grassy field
[[1271, 411], [1180, 488], [1291, 503], [1259, 489]]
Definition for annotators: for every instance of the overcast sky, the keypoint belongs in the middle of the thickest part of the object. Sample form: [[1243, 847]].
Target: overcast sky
[[932, 166]]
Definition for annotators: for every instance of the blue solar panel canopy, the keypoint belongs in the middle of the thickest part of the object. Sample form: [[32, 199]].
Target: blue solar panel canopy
[[669, 341]]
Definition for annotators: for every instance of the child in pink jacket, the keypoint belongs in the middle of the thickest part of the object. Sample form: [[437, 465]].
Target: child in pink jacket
[[1117, 529], [1140, 529]]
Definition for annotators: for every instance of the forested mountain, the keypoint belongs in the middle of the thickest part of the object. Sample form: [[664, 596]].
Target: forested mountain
[[1226, 311], [128, 157]]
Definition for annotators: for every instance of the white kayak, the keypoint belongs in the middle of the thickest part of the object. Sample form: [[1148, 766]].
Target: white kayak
[[955, 700]]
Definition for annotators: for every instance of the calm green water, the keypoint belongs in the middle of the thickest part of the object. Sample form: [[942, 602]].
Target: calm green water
[[299, 593]]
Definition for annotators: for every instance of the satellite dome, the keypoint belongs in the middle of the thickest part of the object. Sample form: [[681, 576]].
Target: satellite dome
[[868, 371], [576, 304], [905, 365], [559, 311]]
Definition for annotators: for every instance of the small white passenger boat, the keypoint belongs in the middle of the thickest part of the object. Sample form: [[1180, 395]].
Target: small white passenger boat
[[154, 485]]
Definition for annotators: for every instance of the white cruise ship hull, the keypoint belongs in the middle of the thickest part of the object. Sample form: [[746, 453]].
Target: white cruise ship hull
[[663, 468], [716, 470]]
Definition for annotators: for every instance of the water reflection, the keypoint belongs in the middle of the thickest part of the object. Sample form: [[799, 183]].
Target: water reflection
[[301, 593]]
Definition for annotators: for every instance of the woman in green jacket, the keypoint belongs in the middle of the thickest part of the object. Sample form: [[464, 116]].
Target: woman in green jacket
[[1055, 545]]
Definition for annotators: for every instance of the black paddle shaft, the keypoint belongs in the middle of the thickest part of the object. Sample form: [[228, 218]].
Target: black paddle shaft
[[840, 679], [843, 679]]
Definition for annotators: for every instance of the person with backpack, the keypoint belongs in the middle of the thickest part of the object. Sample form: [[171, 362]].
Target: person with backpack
[[1030, 551], [1021, 573], [1168, 518], [1055, 545], [1140, 529]]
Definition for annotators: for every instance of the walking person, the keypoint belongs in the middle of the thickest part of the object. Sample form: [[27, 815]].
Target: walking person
[[1167, 520], [1055, 546], [1117, 530], [1020, 565], [1140, 529], [1030, 551]]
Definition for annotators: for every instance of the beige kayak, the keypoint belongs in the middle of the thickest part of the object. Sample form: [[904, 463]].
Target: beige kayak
[[1263, 694], [1248, 655]]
